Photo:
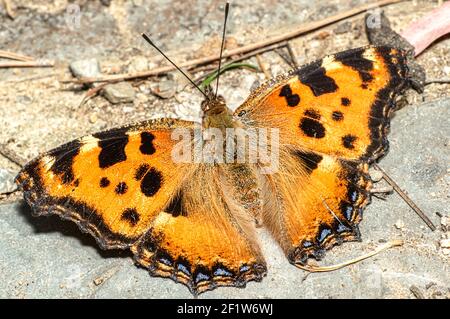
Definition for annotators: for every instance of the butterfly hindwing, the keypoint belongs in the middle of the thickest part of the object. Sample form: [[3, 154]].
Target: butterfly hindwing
[[205, 239], [319, 203]]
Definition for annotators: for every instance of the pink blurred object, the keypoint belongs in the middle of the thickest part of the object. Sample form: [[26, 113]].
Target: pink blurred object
[[429, 28]]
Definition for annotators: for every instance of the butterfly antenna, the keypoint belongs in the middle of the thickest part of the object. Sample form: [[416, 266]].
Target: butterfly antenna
[[167, 58], [227, 6]]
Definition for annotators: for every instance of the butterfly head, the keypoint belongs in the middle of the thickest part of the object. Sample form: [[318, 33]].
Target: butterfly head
[[213, 103], [215, 111]]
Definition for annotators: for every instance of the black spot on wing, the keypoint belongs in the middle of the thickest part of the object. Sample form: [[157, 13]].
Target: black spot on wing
[[104, 182], [131, 216], [348, 141], [147, 143], [151, 183], [312, 128], [312, 114], [314, 76], [355, 59], [291, 99], [310, 161], [63, 164], [112, 144], [176, 206], [140, 171], [121, 188], [345, 101], [337, 116]]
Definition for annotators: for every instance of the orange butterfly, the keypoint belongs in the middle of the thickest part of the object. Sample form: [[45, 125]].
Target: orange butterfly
[[194, 220]]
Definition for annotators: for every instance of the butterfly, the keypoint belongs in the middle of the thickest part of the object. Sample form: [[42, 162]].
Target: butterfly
[[194, 221]]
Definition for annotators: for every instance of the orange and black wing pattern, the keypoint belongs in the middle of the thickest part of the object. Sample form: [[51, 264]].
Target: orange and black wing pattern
[[339, 105], [123, 187], [112, 184], [333, 117], [205, 239]]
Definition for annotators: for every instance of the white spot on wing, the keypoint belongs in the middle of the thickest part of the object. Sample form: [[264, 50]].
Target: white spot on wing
[[88, 143], [329, 63], [47, 162]]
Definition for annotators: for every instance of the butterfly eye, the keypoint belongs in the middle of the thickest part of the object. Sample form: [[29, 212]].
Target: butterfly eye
[[242, 113], [204, 105]]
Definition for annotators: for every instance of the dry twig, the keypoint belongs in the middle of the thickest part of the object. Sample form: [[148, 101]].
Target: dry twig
[[15, 56], [262, 67], [238, 59], [92, 92], [292, 55], [416, 292], [405, 197], [302, 29], [9, 9], [379, 249], [11, 155], [26, 64], [441, 81]]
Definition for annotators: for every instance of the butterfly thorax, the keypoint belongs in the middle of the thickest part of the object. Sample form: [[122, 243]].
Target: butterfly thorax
[[217, 114]]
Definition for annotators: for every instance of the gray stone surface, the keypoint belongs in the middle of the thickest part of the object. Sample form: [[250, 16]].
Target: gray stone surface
[[121, 92], [85, 68], [7, 184], [47, 257]]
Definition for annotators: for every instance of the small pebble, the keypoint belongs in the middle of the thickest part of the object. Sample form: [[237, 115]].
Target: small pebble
[[399, 224], [122, 92], [93, 118], [143, 88], [138, 64], [376, 175], [446, 70], [416, 292], [445, 221], [445, 243], [7, 184], [98, 281], [128, 109], [24, 99], [430, 284], [165, 89], [142, 97], [344, 27], [85, 68]]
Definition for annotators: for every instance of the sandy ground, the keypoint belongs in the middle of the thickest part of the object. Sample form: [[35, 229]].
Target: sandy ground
[[46, 257]]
